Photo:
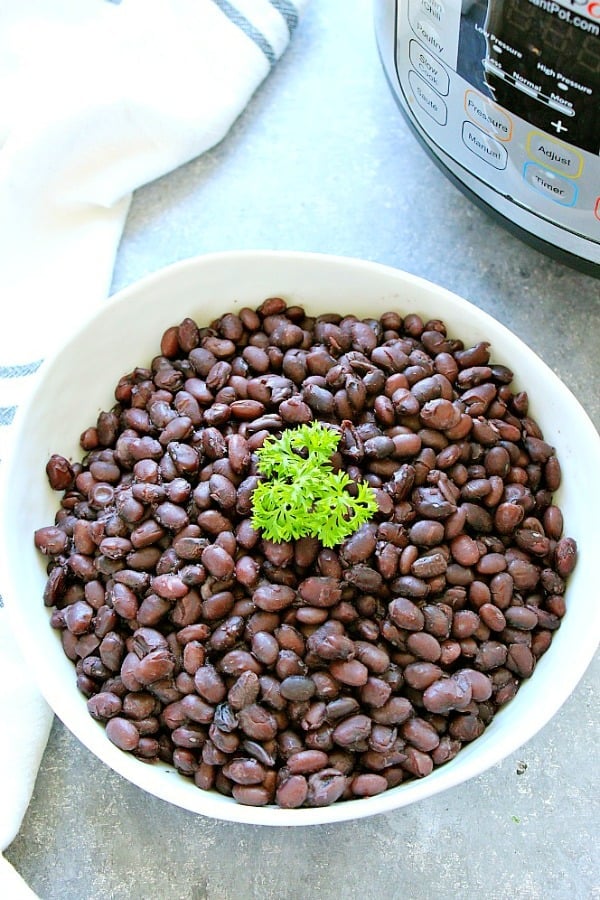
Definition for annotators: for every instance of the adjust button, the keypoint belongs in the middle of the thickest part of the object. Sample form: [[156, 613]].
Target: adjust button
[[484, 146], [427, 98], [553, 186], [429, 68], [554, 155]]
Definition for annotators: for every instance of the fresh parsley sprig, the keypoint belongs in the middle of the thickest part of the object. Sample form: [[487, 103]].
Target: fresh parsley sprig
[[301, 495]]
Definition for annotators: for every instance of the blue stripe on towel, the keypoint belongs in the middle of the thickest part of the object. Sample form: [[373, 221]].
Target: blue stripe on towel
[[248, 28], [20, 371], [288, 11], [7, 414]]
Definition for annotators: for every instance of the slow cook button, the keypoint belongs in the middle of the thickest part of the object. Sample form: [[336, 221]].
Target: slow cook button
[[553, 186], [483, 146], [427, 98], [429, 68]]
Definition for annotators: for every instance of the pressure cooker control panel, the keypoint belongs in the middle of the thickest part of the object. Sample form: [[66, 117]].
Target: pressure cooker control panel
[[508, 90]]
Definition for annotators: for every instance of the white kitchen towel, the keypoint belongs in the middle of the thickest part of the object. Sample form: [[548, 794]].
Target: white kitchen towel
[[97, 98]]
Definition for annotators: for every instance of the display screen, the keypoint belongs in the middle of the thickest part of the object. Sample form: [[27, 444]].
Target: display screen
[[539, 59]]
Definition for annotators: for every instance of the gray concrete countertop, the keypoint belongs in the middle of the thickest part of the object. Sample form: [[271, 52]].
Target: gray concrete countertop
[[322, 160]]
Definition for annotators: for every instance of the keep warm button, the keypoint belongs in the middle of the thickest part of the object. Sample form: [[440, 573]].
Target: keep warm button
[[553, 186], [484, 146]]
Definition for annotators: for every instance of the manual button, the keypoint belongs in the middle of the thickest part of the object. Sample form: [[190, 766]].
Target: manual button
[[484, 146], [554, 155], [553, 186], [429, 68]]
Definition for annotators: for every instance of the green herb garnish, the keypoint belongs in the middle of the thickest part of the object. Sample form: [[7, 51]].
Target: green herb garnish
[[302, 496]]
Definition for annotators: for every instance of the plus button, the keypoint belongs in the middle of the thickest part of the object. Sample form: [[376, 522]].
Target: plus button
[[558, 125]]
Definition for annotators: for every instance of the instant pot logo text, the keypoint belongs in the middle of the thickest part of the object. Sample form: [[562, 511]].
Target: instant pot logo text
[[568, 10]]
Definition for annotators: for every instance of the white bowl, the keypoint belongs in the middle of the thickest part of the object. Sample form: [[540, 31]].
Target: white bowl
[[78, 382]]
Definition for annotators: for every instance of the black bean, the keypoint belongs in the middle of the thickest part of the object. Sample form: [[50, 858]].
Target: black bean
[[122, 733], [325, 787], [201, 643], [406, 614], [292, 792], [104, 705]]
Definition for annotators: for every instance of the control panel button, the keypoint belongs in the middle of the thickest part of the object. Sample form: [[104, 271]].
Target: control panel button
[[597, 208], [436, 23], [435, 9], [488, 116], [484, 146], [553, 186], [554, 155], [429, 68], [429, 35], [428, 99]]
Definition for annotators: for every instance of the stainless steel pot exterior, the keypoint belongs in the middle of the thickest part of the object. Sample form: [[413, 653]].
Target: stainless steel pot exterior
[[480, 84]]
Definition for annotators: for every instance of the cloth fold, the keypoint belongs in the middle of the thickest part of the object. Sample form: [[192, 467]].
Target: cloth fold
[[97, 98]]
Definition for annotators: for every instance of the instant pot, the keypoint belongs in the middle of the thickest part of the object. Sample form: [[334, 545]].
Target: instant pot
[[504, 96]]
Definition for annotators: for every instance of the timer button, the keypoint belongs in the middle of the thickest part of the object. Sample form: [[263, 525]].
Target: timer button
[[554, 187]]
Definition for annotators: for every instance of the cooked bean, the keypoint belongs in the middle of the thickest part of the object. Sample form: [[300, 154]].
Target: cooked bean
[[446, 694], [288, 672], [406, 614], [420, 734], [257, 722], [351, 672], [104, 705], [325, 787], [320, 591], [244, 771], [273, 597], [122, 733], [292, 792]]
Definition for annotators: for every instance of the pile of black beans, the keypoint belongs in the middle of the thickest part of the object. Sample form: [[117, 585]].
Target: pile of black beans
[[291, 673]]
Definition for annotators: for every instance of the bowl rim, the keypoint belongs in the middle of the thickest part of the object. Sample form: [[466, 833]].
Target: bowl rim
[[129, 767]]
